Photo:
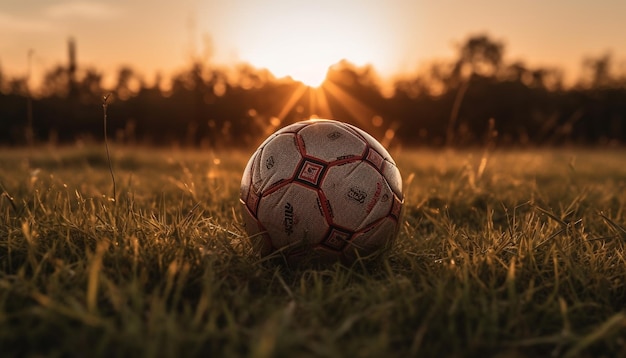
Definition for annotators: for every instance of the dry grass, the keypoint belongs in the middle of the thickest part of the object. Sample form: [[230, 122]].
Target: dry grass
[[518, 254]]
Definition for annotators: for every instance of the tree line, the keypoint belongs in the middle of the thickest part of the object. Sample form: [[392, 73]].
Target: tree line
[[474, 98]]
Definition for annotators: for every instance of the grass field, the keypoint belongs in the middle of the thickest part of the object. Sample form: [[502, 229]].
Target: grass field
[[510, 254]]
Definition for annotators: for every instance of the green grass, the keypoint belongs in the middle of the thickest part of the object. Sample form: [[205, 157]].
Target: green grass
[[519, 253]]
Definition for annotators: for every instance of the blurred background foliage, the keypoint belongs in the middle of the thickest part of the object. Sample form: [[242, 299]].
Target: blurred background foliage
[[472, 99]]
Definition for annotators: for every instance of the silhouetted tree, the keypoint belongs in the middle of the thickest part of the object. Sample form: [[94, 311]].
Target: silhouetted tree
[[597, 71], [2, 79], [128, 83], [90, 86], [467, 98], [55, 82], [479, 55]]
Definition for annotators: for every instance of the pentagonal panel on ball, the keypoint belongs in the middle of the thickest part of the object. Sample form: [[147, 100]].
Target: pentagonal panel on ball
[[373, 143], [393, 177], [277, 161], [358, 194], [311, 172], [294, 127], [246, 178], [330, 141], [372, 239], [259, 239], [336, 239], [292, 216]]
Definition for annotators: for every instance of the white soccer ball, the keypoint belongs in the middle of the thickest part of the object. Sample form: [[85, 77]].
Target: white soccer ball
[[321, 190]]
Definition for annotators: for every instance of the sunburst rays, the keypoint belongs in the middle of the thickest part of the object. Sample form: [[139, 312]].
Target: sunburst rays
[[361, 113], [329, 100], [318, 103]]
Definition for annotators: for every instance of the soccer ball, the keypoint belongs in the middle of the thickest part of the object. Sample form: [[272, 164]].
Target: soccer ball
[[321, 190]]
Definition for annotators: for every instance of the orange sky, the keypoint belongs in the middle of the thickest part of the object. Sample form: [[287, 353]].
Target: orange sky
[[302, 38]]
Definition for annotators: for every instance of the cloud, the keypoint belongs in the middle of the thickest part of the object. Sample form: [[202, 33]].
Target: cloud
[[13, 23], [81, 9], [48, 18]]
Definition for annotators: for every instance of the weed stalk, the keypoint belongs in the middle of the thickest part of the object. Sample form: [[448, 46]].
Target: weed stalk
[[106, 143]]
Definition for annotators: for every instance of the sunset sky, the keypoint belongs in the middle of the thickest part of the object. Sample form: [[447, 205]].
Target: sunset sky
[[302, 38]]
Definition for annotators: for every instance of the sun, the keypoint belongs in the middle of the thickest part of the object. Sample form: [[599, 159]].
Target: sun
[[312, 76], [303, 40], [304, 55], [310, 70]]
